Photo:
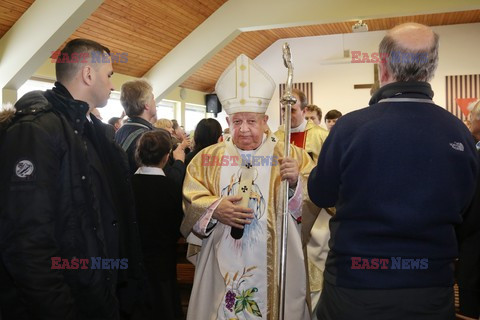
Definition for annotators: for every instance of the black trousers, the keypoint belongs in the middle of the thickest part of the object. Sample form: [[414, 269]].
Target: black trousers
[[338, 303]]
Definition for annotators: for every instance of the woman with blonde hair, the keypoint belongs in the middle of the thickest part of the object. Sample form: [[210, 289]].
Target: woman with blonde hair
[[164, 124]]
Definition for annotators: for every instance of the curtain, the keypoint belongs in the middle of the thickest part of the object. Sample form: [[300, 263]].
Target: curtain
[[460, 91], [305, 87]]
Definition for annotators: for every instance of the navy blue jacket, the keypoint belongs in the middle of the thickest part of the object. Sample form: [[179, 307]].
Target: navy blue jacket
[[400, 174]]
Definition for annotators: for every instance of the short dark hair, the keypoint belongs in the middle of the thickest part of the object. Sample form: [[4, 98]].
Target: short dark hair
[[174, 124], [333, 114], [302, 97], [114, 120], [152, 147], [206, 133], [81, 47], [314, 108]]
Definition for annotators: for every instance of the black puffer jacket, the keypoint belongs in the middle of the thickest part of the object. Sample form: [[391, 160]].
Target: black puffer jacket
[[48, 209]]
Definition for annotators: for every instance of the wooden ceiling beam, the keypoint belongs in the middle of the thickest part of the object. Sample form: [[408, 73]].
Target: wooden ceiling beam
[[22, 55], [208, 73]]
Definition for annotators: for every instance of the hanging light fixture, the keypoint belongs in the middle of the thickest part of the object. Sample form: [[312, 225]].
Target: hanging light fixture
[[360, 26]]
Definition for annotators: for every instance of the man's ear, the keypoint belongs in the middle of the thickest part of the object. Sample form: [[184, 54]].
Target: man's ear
[[228, 120], [384, 74], [87, 74]]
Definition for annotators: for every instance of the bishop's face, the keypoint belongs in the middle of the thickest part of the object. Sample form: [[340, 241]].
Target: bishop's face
[[247, 129]]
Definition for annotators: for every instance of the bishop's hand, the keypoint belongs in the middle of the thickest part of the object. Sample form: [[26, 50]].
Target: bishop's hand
[[230, 213], [289, 171]]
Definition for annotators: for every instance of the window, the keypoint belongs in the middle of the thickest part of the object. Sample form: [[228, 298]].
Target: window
[[221, 118], [166, 109], [32, 85], [112, 109], [193, 114]]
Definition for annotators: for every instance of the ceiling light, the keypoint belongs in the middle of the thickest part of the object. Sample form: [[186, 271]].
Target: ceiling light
[[360, 26]]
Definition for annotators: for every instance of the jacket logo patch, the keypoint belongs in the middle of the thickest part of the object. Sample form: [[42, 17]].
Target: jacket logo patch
[[457, 146], [24, 169]]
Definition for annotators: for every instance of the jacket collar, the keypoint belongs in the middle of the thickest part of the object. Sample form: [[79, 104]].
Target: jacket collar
[[60, 89], [141, 121], [410, 89], [63, 102], [155, 171]]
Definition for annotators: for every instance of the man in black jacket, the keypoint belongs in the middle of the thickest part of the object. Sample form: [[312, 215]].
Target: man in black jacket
[[68, 237]]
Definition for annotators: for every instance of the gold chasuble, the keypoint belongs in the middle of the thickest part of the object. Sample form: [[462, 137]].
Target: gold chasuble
[[238, 279], [311, 139]]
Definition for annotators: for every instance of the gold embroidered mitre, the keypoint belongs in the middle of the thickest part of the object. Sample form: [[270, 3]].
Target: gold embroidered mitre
[[245, 87]]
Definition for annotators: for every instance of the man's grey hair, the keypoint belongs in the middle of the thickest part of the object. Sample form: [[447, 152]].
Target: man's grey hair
[[134, 95], [407, 65], [474, 110]]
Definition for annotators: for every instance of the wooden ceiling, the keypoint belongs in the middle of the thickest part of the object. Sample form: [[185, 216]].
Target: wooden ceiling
[[255, 42], [147, 30], [10, 12]]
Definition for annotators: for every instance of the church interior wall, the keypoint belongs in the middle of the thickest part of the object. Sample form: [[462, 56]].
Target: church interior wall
[[320, 60]]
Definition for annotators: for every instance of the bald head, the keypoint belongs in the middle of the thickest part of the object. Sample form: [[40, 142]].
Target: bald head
[[413, 36], [411, 52]]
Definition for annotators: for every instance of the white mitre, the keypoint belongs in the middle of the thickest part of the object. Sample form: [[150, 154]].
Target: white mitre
[[244, 87]]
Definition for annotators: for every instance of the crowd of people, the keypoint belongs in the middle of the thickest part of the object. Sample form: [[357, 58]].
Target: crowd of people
[[383, 205]]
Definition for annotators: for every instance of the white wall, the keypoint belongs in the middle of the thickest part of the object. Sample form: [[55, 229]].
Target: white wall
[[333, 82], [459, 54]]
